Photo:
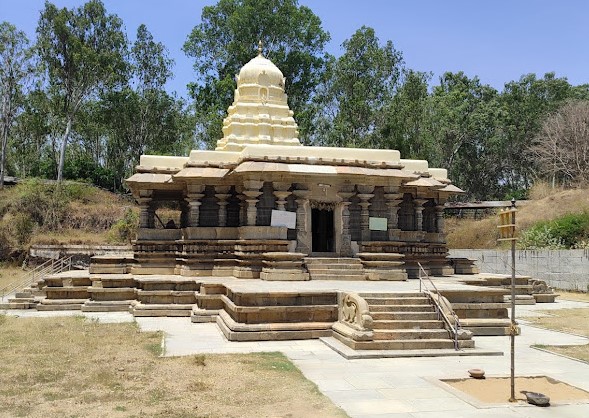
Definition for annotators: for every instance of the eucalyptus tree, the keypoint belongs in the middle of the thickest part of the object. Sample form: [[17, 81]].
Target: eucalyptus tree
[[360, 85], [15, 69], [143, 117], [224, 41], [463, 126], [406, 118], [83, 51]]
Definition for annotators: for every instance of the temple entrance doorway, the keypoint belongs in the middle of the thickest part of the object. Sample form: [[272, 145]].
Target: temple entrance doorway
[[323, 232]]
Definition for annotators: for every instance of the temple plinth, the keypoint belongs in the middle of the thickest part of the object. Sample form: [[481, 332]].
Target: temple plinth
[[261, 193]]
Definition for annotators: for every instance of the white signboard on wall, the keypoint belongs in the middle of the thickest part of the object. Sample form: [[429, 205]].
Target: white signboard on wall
[[284, 218], [377, 224]]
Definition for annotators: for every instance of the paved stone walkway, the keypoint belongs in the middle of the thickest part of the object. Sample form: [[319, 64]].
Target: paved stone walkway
[[398, 387]]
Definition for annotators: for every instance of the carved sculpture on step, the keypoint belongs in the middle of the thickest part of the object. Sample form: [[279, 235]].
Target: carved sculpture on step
[[540, 286], [354, 312], [354, 320]]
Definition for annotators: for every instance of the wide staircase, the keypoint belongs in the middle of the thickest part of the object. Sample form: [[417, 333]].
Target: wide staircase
[[397, 322], [334, 268], [405, 321]]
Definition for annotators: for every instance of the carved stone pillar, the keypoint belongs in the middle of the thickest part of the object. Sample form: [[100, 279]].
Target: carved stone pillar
[[144, 212], [184, 207], [440, 227], [419, 213], [346, 246], [302, 199], [221, 193], [242, 206], [281, 192], [393, 200], [194, 196], [252, 191], [365, 195]]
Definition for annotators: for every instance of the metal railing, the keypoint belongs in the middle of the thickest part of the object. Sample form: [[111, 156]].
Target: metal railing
[[438, 301], [49, 267]]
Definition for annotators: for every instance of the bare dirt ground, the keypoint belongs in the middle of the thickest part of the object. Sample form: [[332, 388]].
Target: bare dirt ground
[[71, 367], [498, 389]]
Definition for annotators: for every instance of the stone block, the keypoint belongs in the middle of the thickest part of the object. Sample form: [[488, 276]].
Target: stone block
[[392, 275]]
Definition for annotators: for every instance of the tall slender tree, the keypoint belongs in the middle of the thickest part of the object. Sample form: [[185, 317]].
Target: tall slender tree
[[15, 69], [83, 51]]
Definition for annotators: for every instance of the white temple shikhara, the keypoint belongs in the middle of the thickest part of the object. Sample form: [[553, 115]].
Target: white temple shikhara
[[262, 205]]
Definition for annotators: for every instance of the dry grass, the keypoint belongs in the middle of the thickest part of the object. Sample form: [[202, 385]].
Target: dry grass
[[576, 296], [71, 367], [580, 352], [574, 321], [9, 274], [469, 233], [71, 236]]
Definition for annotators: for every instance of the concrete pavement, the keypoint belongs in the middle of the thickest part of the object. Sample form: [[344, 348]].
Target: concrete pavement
[[395, 387]]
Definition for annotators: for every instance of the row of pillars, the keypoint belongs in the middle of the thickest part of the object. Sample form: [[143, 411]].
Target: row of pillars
[[250, 194]]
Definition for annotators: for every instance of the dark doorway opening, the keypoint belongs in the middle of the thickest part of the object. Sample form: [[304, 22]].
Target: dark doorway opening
[[323, 231]]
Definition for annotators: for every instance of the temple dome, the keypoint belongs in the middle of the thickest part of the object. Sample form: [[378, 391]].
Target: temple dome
[[259, 113], [261, 71]]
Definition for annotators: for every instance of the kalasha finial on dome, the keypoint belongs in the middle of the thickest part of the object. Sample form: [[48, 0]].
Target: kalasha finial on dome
[[260, 48]]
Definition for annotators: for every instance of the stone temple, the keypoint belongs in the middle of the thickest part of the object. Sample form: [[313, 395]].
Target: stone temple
[[273, 240], [262, 205]]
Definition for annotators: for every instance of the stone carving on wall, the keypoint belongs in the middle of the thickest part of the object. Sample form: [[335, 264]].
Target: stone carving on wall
[[322, 205]]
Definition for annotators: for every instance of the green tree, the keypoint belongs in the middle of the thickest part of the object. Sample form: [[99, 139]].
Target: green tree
[[15, 69], [142, 117], [404, 128], [224, 41], [462, 125], [83, 51], [524, 105], [360, 85], [31, 149]]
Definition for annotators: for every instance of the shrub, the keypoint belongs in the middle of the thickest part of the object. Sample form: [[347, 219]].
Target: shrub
[[540, 237], [125, 229], [569, 231]]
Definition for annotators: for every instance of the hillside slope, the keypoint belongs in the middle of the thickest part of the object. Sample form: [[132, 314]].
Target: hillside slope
[[35, 212], [545, 205]]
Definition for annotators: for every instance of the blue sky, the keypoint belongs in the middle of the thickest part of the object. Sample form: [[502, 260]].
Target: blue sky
[[497, 40]]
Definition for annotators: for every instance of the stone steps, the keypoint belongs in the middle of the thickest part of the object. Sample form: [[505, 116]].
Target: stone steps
[[407, 324], [403, 321], [139, 310], [324, 268], [61, 304], [409, 334], [331, 271], [521, 299], [404, 316], [426, 344], [332, 260], [15, 305], [107, 306], [401, 308], [409, 300], [391, 295]]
